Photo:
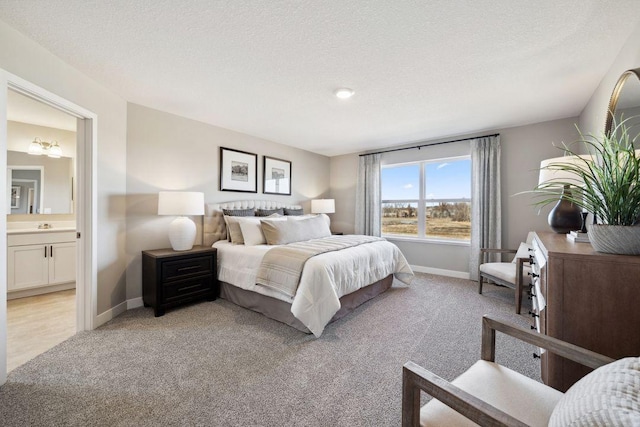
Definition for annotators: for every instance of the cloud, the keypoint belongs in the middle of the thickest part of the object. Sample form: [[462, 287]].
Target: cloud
[[407, 186], [442, 165]]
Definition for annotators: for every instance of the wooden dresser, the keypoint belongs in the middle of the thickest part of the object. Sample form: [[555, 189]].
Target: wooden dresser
[[586, 298]]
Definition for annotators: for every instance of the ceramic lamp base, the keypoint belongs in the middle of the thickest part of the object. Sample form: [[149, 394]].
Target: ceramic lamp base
[[182, 233], [565, 216]]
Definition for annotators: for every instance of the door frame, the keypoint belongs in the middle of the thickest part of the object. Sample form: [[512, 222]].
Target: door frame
[[86, 209]]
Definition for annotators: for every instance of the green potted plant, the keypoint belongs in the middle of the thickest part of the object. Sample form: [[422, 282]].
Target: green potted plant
[[609, 188]]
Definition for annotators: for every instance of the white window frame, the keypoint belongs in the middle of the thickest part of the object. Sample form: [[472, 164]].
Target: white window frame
[[422, 201]]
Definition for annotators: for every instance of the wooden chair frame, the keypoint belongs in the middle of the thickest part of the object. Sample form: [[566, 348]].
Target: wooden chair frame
[[416, 379], [519, 273]]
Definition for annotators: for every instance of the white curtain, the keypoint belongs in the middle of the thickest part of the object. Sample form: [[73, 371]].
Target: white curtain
[[486, 205], [368, 196]]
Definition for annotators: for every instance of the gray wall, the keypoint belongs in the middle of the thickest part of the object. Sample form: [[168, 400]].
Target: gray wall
[[593, 116], [168, 152], [523, 148], [30, 61]]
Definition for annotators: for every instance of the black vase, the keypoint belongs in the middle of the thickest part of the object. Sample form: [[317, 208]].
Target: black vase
[[565, 216]]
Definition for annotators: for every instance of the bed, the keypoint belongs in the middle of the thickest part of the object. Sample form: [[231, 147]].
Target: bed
[[331, 284]]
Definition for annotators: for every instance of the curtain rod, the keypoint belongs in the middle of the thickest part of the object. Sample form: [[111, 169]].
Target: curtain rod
[[428, 145]]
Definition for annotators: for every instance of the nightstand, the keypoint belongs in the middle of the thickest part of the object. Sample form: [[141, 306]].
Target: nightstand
[[170, 278]]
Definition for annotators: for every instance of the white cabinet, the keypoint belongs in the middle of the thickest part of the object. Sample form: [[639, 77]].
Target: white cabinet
[[40, 259]]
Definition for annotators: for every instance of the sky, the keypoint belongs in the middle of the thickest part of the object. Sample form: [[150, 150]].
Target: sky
[[444, 180]]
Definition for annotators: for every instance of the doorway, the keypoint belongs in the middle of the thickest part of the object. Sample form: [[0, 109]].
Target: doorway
[[41, 286], [85, 201]]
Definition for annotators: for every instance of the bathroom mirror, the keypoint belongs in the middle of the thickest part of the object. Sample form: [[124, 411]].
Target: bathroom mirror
[[625, 104], [42, 183], [26, 192]]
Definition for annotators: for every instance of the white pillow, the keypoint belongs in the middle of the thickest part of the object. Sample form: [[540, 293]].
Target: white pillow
[[523, 252], [609, 396], [283, 232], [252, 231], [307, 216]]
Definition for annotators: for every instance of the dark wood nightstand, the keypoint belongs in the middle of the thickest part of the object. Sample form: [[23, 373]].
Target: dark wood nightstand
[[170, 278]]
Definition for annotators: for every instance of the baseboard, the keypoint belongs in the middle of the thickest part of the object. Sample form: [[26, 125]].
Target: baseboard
[[22, 293], [441, 272], [134, 303], [112, 313]]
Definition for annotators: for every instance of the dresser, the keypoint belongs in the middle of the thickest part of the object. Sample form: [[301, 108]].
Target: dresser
[[171, 278], [586, 298]]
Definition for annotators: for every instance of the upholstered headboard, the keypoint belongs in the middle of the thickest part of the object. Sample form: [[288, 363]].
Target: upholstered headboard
[[214, 228]]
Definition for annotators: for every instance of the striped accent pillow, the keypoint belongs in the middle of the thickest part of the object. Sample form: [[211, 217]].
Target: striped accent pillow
[[608, 396]]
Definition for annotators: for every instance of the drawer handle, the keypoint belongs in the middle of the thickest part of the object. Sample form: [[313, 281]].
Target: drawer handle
[[534, 275], [188, 268], [534, 315], [536, 356], [189, 287], [533, 327]]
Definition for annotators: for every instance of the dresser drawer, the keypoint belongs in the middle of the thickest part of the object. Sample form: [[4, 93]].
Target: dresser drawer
[[176, 270], [187, 288]]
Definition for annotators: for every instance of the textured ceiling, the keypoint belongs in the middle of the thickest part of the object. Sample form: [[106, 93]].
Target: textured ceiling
[[420, 69]]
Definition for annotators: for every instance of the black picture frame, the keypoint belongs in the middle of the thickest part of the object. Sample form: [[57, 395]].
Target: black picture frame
[[276, 176], [238, 171]]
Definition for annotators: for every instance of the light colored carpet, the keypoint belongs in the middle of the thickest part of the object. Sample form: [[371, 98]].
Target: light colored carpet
[[214, 363]]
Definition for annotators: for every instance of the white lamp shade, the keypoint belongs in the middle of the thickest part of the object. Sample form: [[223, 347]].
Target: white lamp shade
[[323, 206], [180, 203], [549, 172]]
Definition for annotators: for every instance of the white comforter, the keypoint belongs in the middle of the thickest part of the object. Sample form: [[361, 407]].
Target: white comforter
[[325, 277]]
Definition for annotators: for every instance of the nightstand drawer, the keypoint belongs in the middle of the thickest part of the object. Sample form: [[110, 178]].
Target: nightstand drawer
[[174, 270], [186, 288]]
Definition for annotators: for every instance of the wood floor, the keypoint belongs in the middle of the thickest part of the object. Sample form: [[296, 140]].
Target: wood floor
[[36, 324]]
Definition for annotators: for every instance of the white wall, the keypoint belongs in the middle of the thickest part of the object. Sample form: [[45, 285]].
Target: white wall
[[168, 152], [523, 148], [30, 61]]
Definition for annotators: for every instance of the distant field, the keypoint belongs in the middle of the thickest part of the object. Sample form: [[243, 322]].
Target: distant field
[[436, 227]]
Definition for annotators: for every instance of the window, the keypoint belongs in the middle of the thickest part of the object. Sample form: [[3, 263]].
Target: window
[[429, 199]]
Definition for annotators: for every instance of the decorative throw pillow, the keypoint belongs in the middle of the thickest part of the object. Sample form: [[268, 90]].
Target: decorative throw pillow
[[232, 227], [239, 212], [252, 231], [293, 211], [523, 252], [268, 212], [283, 232], [234, 234], [608, 396]]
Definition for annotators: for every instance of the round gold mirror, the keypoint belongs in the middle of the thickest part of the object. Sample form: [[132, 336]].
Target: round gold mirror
[[625, 103]]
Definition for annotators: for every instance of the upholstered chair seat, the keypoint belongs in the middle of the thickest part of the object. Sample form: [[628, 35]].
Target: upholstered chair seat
[[528, 400]]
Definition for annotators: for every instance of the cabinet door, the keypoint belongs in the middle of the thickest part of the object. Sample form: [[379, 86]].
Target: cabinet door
[[27, 266], [62, 263]]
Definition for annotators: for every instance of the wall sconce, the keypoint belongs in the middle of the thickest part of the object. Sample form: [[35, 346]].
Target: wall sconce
[[39, 147]]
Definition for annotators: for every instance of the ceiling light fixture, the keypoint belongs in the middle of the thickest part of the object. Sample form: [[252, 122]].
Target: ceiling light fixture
[[39, 147], [344, 93]]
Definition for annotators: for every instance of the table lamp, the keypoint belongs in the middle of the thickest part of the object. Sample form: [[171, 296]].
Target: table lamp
[[565, 215], [182, 230], [323, 206]]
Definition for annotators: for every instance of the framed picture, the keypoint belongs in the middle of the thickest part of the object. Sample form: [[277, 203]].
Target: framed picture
[[277, 176], [238, 171], [15, 197]]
